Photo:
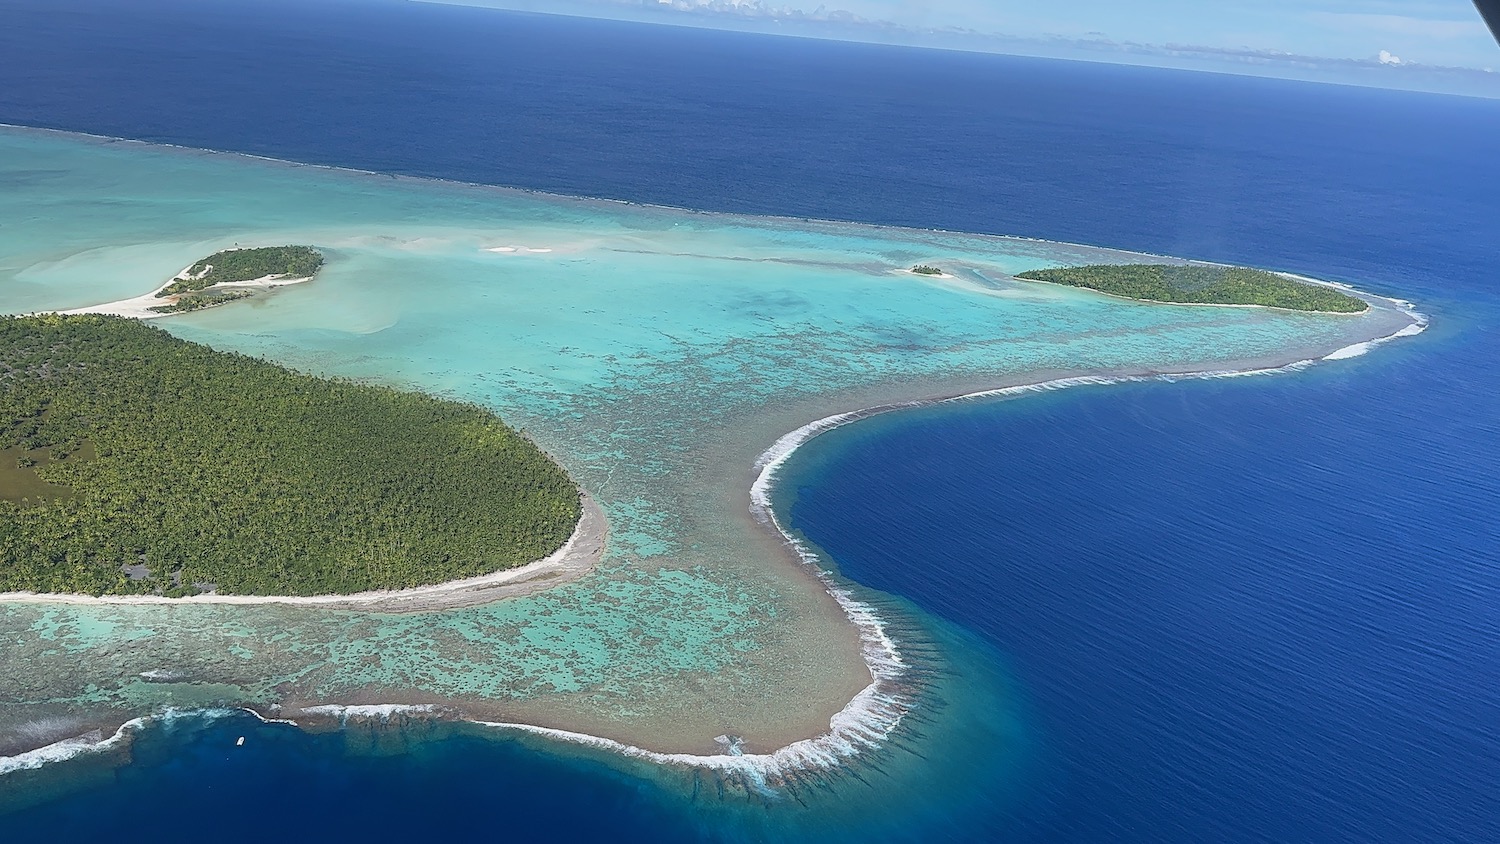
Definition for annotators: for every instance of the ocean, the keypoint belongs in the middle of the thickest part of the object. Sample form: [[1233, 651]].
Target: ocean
[[1250, 609]]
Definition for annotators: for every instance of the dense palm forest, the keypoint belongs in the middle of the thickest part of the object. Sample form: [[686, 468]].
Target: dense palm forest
[[200, 300], [1200, 285], [247, 265], [128, 447]]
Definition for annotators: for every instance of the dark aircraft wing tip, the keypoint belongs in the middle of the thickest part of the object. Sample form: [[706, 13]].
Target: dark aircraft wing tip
[[1490, 11]]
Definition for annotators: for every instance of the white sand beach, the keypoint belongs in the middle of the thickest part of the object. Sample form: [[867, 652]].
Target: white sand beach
[[140, 307], [575, 558]]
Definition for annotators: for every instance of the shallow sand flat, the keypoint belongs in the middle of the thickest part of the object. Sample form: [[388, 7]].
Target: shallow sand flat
[[656, 353], [140, 307]]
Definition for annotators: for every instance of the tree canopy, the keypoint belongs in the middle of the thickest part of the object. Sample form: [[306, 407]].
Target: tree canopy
[[1202, 285], [208, 467], [233, 265], [200, 300]]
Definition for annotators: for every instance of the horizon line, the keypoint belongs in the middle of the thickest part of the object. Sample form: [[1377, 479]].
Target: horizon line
[[1245, 62]]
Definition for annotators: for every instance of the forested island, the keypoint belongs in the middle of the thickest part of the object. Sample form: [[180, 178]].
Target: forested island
[[132, 462], [233, 273], [926, 269], [236, 265], [1202, 285]]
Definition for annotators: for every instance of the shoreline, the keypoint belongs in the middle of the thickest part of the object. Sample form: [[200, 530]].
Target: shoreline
[[866, 721], [1334, 285], [577, 556], [139, 307], [874, 711]]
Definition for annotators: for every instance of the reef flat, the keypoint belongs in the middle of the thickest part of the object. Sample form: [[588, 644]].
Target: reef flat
[[656, 353]]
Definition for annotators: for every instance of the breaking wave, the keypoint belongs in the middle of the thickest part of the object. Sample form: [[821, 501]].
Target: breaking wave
[[864, 724], [69, 748], [94, 741]]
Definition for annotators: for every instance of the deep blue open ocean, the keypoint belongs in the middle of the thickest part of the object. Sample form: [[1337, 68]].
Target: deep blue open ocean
[[1251, 610]]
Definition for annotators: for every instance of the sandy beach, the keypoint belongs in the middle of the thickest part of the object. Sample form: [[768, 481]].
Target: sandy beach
[[874, 709], [872, 713], [575, 558], [715, 623], [139, 307]]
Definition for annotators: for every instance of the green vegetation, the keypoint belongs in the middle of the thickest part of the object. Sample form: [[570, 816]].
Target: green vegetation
[[1201, 285], [247, 265], [198, 301], [19, 481], [926, 269], [121, 445]]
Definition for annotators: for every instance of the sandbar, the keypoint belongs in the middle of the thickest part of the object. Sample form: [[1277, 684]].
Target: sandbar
[[140, 307]]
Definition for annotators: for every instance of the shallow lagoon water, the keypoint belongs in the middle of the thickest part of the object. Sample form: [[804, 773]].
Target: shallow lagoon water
[[1368, 186], [655, 352]]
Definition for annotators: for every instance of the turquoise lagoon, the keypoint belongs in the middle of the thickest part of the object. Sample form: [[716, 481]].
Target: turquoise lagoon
[[657, 353]]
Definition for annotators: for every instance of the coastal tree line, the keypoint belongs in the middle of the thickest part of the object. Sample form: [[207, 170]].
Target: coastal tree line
[[217, 468], [247, 265], [1201, 285]]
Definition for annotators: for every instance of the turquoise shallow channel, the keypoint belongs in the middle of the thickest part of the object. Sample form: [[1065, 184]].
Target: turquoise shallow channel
[[655, 352]]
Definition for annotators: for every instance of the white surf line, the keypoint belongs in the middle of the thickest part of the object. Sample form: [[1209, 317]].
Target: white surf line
[[863, 724], [91, 742], [61, 751], [94, 741], [876, 711], [265, 719], [381, 711]]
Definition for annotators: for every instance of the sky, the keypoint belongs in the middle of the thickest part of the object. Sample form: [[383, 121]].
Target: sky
[[1424, 44], [1434, 32]]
